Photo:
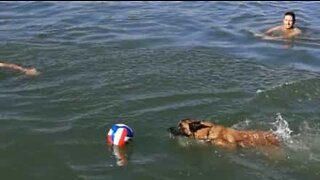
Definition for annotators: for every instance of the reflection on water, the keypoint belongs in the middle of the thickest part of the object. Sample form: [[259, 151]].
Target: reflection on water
[[120, 154]]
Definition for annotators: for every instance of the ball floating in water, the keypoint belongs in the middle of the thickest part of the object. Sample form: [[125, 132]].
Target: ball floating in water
[[119, 134]]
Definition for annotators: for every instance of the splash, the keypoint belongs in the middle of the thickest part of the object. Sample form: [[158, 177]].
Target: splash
[[303, 147], [282, 128]]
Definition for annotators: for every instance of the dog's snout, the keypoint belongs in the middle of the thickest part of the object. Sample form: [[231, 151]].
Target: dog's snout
[[170, 129], [174, 131]]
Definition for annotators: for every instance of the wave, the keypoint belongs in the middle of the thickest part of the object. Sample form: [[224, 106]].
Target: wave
[[306, 89]]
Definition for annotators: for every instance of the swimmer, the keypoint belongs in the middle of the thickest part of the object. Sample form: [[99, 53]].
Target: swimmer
[[286, 30], [26, 71]]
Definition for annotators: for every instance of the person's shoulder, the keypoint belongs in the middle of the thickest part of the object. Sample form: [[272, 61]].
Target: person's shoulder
[[297, 30]]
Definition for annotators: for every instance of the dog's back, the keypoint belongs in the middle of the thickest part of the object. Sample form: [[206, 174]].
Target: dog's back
[[257, 138], [226, 137]]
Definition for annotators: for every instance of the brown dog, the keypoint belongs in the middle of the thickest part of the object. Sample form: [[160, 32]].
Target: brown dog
[[223, 136]]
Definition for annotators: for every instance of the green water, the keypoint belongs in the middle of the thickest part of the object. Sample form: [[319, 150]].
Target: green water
[[148, 65]]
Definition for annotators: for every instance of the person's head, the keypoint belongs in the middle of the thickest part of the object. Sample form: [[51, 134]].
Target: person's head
[[289, 19]]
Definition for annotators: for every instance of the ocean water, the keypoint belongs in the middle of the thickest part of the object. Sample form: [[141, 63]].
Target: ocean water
[[148, 65]]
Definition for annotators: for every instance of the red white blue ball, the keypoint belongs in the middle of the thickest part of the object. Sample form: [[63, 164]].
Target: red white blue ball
[[119, 134]]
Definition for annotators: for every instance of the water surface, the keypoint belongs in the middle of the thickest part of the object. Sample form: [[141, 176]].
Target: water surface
[[148, 65]]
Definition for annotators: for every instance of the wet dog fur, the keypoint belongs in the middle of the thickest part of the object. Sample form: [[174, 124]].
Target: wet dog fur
[[223, 136]]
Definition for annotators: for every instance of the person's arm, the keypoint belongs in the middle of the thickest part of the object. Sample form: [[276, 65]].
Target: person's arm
[[268, 35], [26, 71], [271, 30]]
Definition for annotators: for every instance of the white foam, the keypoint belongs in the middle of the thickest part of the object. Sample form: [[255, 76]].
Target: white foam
[[282, 128]]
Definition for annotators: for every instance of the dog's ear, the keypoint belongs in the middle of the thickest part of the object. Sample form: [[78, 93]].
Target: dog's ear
[[195, 126]]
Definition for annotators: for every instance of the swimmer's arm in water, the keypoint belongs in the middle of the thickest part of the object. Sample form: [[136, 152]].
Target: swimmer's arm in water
[[265, 36], [268, 35], [26, 71], [271, 30]]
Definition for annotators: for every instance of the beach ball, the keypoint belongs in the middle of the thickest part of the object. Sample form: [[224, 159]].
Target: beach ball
[[119, 134]]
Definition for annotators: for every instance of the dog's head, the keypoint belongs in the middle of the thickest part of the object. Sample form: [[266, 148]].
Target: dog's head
[[187, 127]]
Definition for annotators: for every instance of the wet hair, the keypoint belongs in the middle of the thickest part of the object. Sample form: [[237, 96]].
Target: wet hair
[[291, 13]]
